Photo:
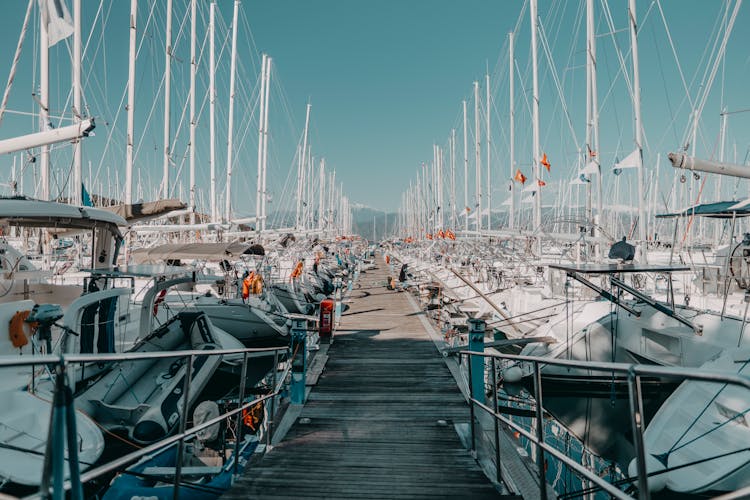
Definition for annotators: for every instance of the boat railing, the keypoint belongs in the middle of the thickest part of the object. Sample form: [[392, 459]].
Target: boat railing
[[54, 485], [633, 374]]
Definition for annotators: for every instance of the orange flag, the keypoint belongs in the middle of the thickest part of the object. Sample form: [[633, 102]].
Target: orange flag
[[429, 236], [540, 182], [441, 234], [520, 177], [545, 162], [450, 235]]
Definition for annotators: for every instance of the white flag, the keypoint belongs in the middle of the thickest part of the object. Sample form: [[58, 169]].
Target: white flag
[[57, 17], [633, 160]]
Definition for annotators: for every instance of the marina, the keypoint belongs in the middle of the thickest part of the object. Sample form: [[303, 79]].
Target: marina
[[370, 250]]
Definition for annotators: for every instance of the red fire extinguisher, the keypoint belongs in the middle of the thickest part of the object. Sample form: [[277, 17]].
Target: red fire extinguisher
[[326, 320]]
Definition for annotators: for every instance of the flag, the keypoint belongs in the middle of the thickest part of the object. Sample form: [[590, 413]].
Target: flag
[[450, 235], [545, 162], [592, 153], [429, 236], [468, 210], [540, 182], [441, 234], [57, 17], [85, 198], [520, 177]]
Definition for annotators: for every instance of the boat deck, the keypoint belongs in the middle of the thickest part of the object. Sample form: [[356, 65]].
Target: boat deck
[[379, 423]]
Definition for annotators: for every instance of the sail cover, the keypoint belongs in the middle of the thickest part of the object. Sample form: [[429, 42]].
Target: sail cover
[[192, 251]]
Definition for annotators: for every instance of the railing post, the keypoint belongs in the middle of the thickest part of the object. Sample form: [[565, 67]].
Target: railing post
[[636, 420], [272, 409], [540, 431], [471, 409], [498, 470], [476, 344], [337, 298], [238, 424], [299, 360], [183, 426]]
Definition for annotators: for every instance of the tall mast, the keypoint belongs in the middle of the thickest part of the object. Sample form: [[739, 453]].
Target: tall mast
[[131, 104], [261, 111], [322, 193], [212, 108], [594, 99], [300, 168], [77, 152], [535, 116], [44, 102], [489, 149], [167, 99], [265, 144], [637, 114], [193, 71], [466, 172], [230, 133], [511, 73], [477, 157], [453, 178]]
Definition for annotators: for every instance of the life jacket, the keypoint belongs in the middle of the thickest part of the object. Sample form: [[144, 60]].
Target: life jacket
[[297, 272], [247, 285]]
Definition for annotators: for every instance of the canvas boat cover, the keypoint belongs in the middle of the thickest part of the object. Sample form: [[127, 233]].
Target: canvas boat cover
[[192, 251]]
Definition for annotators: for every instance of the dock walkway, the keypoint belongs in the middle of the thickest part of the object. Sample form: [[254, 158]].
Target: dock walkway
[[380, 421]]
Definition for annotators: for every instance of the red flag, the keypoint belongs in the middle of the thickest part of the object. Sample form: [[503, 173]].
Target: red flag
[[592, 153], [441, 234], [520, 177], [545, 162], [540, 182], [429, 236], [450, 235]]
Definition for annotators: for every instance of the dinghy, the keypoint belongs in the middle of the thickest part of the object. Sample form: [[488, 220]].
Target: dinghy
[[144, 397]]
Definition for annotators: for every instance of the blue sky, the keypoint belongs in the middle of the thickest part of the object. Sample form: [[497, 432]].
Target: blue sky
[[386, 80]]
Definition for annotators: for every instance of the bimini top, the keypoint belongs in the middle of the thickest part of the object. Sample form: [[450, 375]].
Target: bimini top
[[194, 251], [718, 210], [27, 212]]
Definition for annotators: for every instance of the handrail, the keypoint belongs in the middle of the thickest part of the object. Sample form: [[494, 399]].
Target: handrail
[[63, 360], [634, 373]]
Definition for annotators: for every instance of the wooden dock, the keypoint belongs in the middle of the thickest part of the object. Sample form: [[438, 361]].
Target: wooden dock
[[380, 421]]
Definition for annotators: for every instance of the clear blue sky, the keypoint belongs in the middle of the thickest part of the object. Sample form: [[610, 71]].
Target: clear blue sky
[[386, 80]]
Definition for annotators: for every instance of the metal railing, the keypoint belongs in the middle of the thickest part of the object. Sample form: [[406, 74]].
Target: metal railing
[[633, 373], [53, 485]]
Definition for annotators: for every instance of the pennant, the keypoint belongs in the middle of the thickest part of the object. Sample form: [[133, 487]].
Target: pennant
[[441, 234], [592, 153], [545, 162], [541, 183], [520, 177], [450, 235]]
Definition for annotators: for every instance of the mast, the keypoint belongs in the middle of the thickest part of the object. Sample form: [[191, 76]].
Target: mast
[[637, 114], [77, 152], [301, 166], [535, 117], [511, 73], [44, 102], [265, 144], [322, 194], [453, 178], [599, 218], [167, 99], [193, 71], [477, 157], [466, 172], [261, 111], [230, 133], [212, 108], [593, 155], [489, 149]]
